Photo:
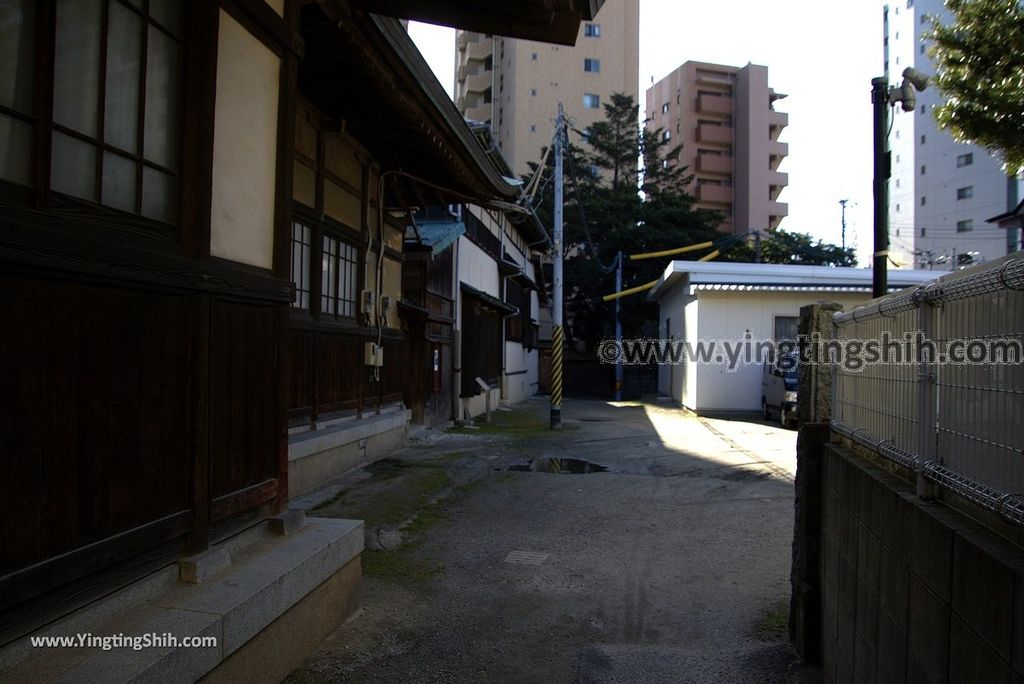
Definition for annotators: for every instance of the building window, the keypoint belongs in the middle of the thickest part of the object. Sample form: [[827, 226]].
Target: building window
[[923, 169], [924, 139], [664, 108], [302, 252], [897, 182], [592, 65], [924, 200], [591, 101], [965, 159], [965, 193], [897, 206], [533, 128], [965, 226], [339, 278], [115, 124], [592, 30], [922, 48], [534, 56], [924, 18], [924, 232], [666, 136], [533, 92], [922, 109], [518, 326]]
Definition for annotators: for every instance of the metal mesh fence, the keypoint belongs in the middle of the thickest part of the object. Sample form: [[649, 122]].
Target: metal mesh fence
[[958, 419]]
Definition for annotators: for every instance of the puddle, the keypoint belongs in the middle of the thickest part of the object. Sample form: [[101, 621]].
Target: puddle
[[563, 466]]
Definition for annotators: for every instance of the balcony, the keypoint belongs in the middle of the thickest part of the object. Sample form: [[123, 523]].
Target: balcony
[[464, 40], [481, 112], [481, 49], [461, 73], [710, 163], [721, 135], [711, 104], [777, 182], [777, 211], [776, 122], [478, 83], [714, 194], [777, 151]]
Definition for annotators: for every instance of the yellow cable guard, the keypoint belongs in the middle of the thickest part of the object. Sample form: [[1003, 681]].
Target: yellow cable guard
[[630, 291], [670, 252]]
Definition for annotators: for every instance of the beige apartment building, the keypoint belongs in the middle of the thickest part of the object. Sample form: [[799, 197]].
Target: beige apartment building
[[516, 85], [726, 121]]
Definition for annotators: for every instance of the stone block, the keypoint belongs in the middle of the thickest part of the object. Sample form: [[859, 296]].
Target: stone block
[[288, 522], [918, 670], [894, 587], [865, 662], [972, 660], [983, 590], [928, 627], [867, 610], [892, 650], [202, 566], [931, 557]]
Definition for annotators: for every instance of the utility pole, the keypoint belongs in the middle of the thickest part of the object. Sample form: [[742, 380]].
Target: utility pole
[[557, 334], [618, 327], [842, 203], [880, 102]]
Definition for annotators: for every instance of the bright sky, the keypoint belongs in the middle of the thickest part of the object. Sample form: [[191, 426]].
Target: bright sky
[[823, 55]]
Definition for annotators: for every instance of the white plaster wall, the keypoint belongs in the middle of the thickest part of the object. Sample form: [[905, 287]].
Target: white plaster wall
[[244, 147], [728, 316], [476, 269]]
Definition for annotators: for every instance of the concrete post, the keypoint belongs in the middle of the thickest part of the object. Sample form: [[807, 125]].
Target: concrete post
[[814, 413], [814, 391]]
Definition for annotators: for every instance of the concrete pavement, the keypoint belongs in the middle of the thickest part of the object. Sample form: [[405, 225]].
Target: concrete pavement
[[671, 566]]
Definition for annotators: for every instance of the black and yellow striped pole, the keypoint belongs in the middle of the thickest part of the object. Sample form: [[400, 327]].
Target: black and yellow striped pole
[[557, 333]]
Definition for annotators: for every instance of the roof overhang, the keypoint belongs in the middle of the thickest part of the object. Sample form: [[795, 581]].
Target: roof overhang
[[366, 71], [549, 21], [725, 276], [1010, 219]]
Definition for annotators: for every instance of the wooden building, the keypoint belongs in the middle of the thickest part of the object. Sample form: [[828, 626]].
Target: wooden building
[[201, 234]]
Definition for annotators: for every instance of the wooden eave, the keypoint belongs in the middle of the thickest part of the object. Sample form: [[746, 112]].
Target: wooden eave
[[367, 72], [548, 21]]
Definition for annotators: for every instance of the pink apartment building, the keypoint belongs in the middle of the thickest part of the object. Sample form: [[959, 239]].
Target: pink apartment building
[[725, 119]]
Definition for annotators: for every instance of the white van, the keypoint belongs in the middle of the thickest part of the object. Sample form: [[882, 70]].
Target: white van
[[778, 389]]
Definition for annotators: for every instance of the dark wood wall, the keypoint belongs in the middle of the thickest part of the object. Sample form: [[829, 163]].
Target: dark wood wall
[[137, 424], [328, 377]]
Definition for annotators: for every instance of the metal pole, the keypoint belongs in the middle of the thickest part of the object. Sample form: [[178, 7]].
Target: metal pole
[[618, 327], [557, 335], [880, 101], [842, 203]]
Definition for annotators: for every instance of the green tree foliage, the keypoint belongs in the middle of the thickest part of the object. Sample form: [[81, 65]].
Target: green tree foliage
[[979, 58], [783, 247], [605, 213]]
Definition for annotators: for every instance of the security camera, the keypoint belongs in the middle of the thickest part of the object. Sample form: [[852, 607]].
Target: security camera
[[918, 79], [908, 99]]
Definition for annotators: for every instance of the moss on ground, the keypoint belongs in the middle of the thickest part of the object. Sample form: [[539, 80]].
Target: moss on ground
[[773, 625]]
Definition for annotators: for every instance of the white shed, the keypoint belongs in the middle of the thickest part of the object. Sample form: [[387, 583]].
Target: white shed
[[724, 301]]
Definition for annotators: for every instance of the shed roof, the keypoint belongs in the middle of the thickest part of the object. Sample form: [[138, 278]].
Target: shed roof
[[744, 277]]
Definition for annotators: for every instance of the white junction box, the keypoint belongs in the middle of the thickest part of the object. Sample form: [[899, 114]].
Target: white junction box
[[374, 354]]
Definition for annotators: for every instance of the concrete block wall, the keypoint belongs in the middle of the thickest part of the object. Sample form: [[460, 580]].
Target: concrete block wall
[[912, 591]]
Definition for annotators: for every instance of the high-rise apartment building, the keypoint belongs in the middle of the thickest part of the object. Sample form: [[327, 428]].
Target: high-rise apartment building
[[516, 85], [941, 192], [726, 121]]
